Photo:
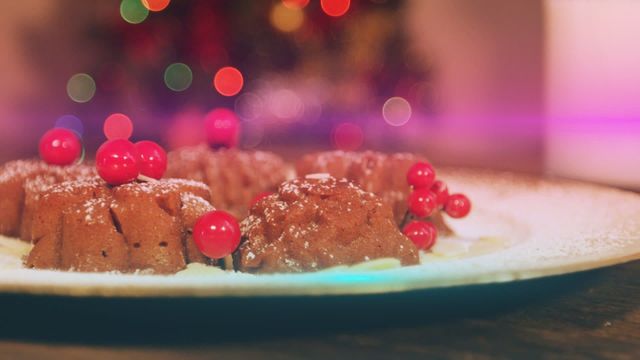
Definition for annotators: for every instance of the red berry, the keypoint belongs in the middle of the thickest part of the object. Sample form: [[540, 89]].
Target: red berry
[[422, 202], [423, 234], [458, 206], [421, 175], [60, 147], [222, 128], [259, 197], [441, 191], [152, 159], [217, 234], [117, 161]]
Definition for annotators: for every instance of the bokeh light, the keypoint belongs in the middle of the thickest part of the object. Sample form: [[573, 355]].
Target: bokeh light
[[72, 123], [133, 11], [286, 105], [335, 8], [81, 88], [396, 111], [156, 5], [228, 81], [249, 106], [178, 77], [347, 136], [118, 126], [252, 136], [295, 4], [286, 18]]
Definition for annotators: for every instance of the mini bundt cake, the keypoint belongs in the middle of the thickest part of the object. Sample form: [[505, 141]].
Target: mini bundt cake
[[379, 173], [234, 177], [16, 176], [318, 222], [86, 225], [382, 174]]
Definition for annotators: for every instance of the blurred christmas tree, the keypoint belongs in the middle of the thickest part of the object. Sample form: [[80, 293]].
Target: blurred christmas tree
[[305, 66]]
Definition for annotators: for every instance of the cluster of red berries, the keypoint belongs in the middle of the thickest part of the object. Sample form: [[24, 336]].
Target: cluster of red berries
[[120, 161], [428, 196]]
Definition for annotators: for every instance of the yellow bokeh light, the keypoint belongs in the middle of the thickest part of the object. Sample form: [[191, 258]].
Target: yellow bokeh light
[[286, 19]]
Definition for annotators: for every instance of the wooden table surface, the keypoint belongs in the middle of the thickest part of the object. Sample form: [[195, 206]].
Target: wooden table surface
[[594, 314]]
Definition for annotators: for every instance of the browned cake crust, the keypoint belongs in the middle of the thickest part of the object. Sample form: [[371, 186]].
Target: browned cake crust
[[88, 226], [379, 173], [311, 224], [234, 177], [15, 176]]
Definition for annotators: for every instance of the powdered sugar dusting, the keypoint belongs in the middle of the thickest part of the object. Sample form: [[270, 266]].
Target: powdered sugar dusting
[[166, 186], [191, 200], [70, 187], [318, 176], [24, 169], [89, 209]]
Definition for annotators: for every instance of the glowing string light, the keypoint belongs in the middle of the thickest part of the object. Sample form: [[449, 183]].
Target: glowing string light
[[155, 5], [396, 111], [249, 106], [228, 81], [72, 123], [286, 19], [81, 87], [133, 11], [117, 126], [335, 8], [178, 77], [295, 4]]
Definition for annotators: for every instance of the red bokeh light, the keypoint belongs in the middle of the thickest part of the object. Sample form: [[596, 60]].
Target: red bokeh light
[[117, 126], [335, 7], [155, 5], [228, 81], [295, 4], [348, 137]]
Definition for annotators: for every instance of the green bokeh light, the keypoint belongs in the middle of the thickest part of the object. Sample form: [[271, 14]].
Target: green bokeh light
[[178, 77], [81, 87], [133, 11]]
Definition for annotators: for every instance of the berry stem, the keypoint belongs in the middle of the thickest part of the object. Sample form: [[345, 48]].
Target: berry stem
[[228, 263], [145, 178], [407, 217]]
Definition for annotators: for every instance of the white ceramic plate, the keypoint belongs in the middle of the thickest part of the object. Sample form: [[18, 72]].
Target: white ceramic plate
[[544, 228]]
